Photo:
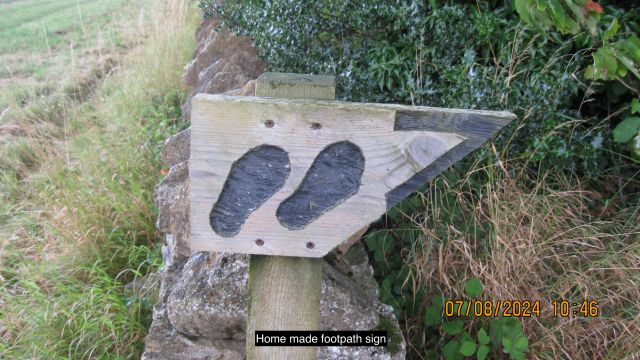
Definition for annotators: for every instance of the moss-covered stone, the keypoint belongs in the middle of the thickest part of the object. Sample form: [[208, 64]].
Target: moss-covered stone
[[393, 333]]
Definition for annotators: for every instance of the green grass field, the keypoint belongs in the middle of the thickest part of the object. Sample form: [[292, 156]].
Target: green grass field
[[47, 44], [78, 167]]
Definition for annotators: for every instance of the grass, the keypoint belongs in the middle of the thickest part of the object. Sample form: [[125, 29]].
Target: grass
[[76, 181], [51, 43], [527, 236]]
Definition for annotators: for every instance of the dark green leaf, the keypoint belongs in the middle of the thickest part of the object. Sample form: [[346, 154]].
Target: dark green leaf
[[453, 327], [626, 62], [612, 30], [431, 355], [468, 348], [464, 336], [483, 337], [631, 46], [451, 350], [473, 287], [374, 240], [605, 61], [437, 301], [635, 105], [432, 316], [507, 344], [626, 130], [522, 344], [482, 352]]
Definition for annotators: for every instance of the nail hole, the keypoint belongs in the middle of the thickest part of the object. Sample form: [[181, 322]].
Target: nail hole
[[310, 245], [269, 123], [259, 242], [316, 126]]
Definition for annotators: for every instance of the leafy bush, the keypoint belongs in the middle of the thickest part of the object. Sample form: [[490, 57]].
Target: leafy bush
[[451, 55], [504, 334], [613, 61]]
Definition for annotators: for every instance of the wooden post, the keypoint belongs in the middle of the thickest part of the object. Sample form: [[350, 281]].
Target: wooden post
[[284, 291]]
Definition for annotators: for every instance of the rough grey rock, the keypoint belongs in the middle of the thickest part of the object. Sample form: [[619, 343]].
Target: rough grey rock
[[172, 198], [207, 304], [365, 352], [221, 62], [343, 303], [164, 342], [210, 297], [361, 275], [177, 148], [249, 89], [212, 289]]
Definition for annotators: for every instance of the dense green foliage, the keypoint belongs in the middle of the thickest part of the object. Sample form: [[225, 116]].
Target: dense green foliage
[[452, 54], [493, 335], [617, 57]]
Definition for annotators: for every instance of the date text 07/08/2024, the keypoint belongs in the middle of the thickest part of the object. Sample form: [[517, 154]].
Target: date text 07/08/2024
[[519, 308]]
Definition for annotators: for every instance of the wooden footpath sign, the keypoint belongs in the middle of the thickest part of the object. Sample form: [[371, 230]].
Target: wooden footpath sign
[[284, 176], [295, 177]]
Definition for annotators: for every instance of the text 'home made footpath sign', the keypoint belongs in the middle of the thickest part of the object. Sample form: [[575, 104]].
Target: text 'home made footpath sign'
[[298, 177]]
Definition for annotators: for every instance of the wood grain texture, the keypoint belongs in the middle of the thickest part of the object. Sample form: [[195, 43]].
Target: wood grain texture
[[296, 86], [475, 127], [403, 147], [284, 292]]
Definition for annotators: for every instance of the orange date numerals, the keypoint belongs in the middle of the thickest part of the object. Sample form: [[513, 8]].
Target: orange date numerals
[[488, 308]]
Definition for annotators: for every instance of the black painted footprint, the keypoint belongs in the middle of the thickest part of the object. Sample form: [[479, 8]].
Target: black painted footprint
[[333, 177], [252, 180]]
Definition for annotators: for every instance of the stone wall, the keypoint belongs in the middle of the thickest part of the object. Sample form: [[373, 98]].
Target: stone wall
[[202, 303]]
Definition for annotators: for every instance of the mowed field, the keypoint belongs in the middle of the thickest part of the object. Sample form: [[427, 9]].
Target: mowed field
[[88, 92], [45, 42]]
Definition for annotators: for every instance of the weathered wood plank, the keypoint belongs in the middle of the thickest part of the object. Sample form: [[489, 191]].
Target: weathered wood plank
[[284, 291], [284, 294], [403, 147], [296, 86]]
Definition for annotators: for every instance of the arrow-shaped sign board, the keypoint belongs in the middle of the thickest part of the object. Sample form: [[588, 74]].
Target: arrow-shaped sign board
[[299, 177]]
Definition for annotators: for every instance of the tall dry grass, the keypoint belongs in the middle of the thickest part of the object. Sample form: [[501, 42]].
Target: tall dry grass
[[550, 237], [77, 217]]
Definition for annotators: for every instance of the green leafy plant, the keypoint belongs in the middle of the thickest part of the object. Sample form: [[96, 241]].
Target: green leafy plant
[[473, 287], [568, 16], [506, 333], [465, 337], [457, 54], [617, 61]]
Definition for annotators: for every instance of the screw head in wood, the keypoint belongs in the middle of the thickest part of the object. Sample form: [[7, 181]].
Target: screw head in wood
[[316, 126], [259, 242], [269, 123], [310, 245]]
